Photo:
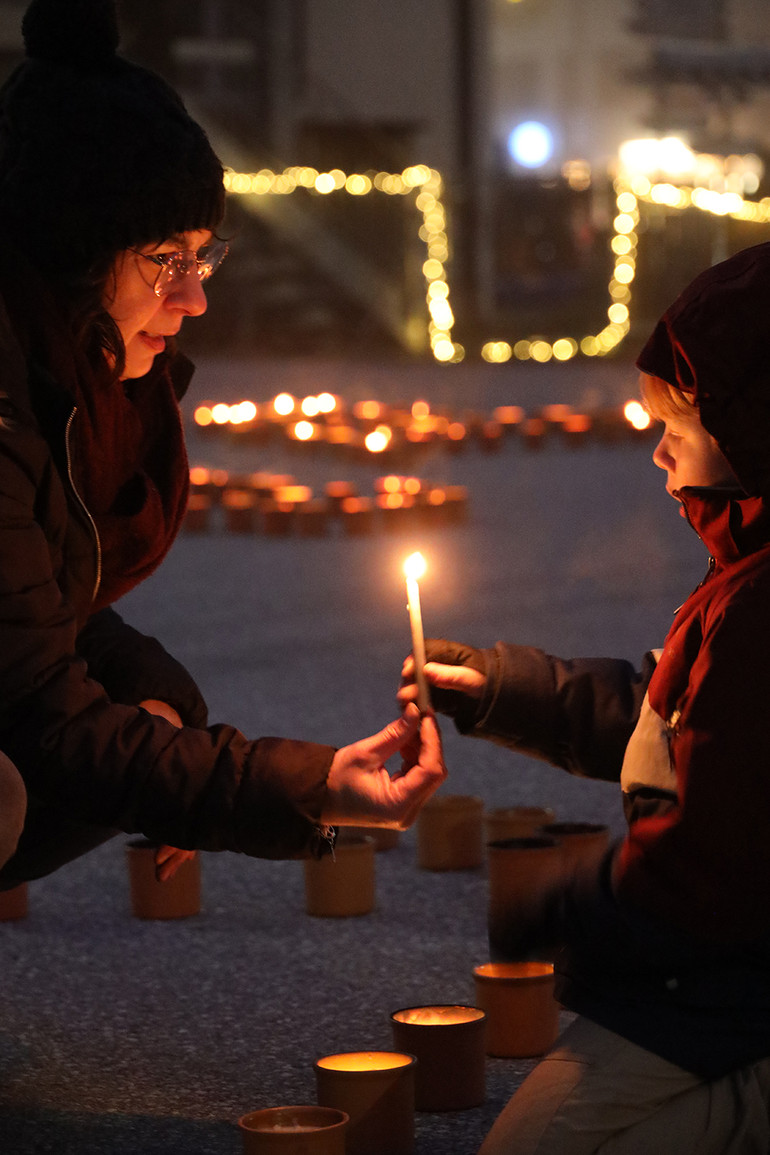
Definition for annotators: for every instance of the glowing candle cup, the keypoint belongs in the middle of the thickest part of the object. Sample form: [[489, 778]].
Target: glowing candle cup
[[294, 1131], [450, 1045], [414, 568], [522, 1013], [376, 1089]]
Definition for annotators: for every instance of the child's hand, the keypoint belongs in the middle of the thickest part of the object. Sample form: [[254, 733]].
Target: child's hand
[[457, 672]]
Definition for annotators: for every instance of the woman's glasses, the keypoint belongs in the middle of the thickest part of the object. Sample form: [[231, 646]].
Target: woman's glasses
[[174, 267]]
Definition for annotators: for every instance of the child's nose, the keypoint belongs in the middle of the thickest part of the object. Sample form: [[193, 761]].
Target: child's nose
[[661, 456]]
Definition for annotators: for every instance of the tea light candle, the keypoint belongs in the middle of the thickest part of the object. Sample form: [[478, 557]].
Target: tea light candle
[[450, 1044], [376, 1090], [414, 568]]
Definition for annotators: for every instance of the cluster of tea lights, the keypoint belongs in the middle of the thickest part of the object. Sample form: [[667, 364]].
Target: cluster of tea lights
[[275, 505], [369, 429]]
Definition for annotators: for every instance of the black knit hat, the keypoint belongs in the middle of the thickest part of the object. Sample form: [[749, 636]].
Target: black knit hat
[[96, 153], [713, 344]]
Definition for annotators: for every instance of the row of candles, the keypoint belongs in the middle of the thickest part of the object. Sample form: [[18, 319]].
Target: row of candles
[[275, 504], [438, 1060], [371, 428], [367, 1099]]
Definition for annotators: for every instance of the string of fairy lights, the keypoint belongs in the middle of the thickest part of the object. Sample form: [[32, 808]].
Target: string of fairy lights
[[425, 185]]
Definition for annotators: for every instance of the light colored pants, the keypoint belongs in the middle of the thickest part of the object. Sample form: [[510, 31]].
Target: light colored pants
[[597, 1093]]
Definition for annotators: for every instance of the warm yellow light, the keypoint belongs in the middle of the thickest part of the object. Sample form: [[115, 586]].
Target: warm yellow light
[[304, 430], [414, 566], [636, 415], [310, 407], [248, 410], [203, 415], [220, 414], [327, 402], [420, 409], [283, 404], [324, 183], [377, 440]]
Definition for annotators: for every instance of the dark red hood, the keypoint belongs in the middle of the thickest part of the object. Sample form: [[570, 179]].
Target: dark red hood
[[714, 343], [730, 524]]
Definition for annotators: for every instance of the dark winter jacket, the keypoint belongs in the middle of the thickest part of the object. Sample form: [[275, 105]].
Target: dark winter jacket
[[70, 680], [668, 943]]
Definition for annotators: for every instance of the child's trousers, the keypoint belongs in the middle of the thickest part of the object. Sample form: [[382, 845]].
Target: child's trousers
[[596, 1092]]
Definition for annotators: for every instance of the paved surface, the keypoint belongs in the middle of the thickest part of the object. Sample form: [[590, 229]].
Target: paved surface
[[119, 1036]]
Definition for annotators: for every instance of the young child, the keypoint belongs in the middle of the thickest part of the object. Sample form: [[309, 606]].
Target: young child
[[664, 949]]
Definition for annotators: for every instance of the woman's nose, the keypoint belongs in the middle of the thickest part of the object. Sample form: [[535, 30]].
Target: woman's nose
[[189, 295]]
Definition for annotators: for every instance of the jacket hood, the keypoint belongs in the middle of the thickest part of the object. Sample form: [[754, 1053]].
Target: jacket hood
[[730, 524], [714, 343]]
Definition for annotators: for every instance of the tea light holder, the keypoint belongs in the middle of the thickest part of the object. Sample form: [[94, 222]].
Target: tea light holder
[[303, 1130], [384, 838], [516, 866], [376, 1090], [582, 843], [450, 833], [503, 822], [342, 885], [239, 510], [14, 903], [177, 897], [197, 516], [449, 1043], [522, 1013]]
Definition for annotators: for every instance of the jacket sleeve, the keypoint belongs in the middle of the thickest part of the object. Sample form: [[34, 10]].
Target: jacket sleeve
[[576, 714], [133, 667], [113, 764]]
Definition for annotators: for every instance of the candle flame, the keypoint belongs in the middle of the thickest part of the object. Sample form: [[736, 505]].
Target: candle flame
[[414, 566]]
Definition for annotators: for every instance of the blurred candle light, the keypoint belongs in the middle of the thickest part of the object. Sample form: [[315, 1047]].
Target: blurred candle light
[[636, 415], [414, 568]]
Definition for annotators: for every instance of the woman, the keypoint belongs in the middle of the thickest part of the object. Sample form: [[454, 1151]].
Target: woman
[[112, 198]]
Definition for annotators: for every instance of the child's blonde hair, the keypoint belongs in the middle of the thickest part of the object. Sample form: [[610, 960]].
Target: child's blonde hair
[[663, 401]]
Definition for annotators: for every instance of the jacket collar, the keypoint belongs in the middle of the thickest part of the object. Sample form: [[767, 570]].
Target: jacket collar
[[730, 524]]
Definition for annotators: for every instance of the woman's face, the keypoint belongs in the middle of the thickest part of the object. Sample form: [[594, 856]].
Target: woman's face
[[144, 319]]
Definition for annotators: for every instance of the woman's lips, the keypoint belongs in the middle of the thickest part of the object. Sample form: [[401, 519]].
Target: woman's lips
[[156, 343]]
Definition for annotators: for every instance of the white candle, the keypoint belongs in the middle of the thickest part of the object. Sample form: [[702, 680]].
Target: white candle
[[414, 568]]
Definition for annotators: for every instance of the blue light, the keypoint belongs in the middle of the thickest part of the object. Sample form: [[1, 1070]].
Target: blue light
[[531, 144]]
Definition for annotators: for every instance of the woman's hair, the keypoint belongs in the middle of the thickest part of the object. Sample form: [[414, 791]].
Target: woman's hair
[[97, 155], [663, 401]]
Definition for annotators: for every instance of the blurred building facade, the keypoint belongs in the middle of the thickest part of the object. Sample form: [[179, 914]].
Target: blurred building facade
[[521, 105]]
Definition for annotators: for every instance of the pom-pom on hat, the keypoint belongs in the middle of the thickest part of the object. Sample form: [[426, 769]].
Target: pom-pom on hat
[[96, 153], [713, 343]]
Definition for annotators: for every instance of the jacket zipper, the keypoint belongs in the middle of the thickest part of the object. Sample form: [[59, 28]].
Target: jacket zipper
[[83, 505]]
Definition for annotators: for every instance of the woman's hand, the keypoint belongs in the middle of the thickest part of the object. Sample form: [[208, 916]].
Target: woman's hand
[[361, 792], [168, 859]]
